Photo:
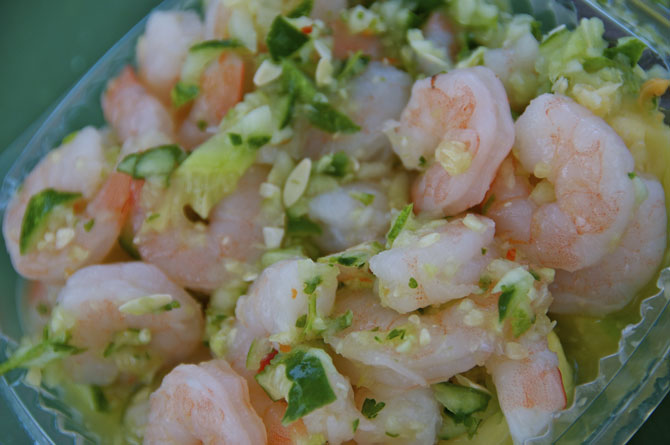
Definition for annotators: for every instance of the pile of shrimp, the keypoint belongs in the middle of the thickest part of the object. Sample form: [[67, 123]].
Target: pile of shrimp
[[553, 194]]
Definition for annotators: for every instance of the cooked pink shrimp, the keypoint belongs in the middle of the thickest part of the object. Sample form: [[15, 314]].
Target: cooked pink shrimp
[[131, 110], [202, 255], [585, 165], [529, 387], [77, 236], [221, 87], [203, 404], [277, 298], [217, 16], [462, 121], [39, 299], [436, 263], [162, 49], [404, 351], [613, 282], [105, 308]]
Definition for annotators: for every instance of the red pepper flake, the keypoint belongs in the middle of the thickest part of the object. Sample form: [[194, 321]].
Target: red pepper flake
[[266, 361], [511, 254], [306, 29], [285, 348], [294, 293]]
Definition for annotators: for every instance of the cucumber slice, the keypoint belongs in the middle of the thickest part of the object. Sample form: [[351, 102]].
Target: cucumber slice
[[259, 349], [274, 381], [202, 54], [514, 302], [459, 400], [450, 428], [155, 162], [39, 208]]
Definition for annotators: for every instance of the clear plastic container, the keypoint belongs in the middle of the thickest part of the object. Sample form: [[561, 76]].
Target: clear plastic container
[[609, 410]]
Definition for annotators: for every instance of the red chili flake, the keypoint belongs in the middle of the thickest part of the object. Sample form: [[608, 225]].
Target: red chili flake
[[306, 29], [266, 361], [511, 254]]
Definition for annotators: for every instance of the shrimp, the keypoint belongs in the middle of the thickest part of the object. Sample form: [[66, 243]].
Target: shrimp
[[162, 49], [613, 282], [405, 351], [221, 87], [438, 262], [328, 10], [279, 296], [89, 309], [74, 236], [378, 94], [203, 404], [350, 215], [411, 417], [462, 120], [529, 387], [204, 255], [217, 16], [131, 110], [39, 299], [585, 164]]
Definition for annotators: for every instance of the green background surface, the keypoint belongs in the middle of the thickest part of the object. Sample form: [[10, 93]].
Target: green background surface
[[46, 45]]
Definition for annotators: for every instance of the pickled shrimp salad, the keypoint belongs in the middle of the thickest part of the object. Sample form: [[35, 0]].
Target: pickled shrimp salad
[[312, 221]]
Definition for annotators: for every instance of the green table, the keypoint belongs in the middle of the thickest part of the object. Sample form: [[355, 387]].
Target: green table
[[46, 45]]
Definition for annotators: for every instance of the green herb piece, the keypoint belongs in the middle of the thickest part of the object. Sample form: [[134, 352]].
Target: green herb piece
[[535, 275], [216, 44], [303, 9], [398, 225], [70, 137], [296, 83], [37, 214], [396, 333], [301, 226], [100, 402], [325, 117], [628, 47], [336, 164], [487, 204], [412, 283], [312, 284], [183, 93], [301, 321], [310, 387], [235, 138], [484, 250], [371, 408], [354, 424], [484, 283], [392, 434], [632, 175], [354, 65], [256, 142], [201, 124], [38, 355], [284, 39], [364, 198], [422, 161], [89, 225]]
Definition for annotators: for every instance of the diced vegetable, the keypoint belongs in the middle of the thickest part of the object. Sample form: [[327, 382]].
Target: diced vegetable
[[461, 401], [284, 39], [301, 378], [157, 162], [38, 355], [398, 225], [514, 302], [39, 208]]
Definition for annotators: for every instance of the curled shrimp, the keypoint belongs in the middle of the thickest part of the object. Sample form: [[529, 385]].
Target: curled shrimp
[[221, 87], [131, 110], [462, 121], [613, 282], [90, 310], [278, 297], [583, 165], [203, 255], [162, 49], [203, 404], [404, 351], [529, 387], [438, 262], [73, 237]]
